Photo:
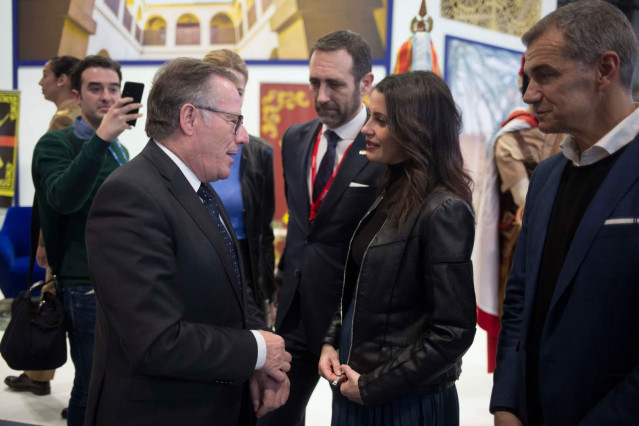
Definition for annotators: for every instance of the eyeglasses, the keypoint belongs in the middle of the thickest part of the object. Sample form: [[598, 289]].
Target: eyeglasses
[[238, 123]]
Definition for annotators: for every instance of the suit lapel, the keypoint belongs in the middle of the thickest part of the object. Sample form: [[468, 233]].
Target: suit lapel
[[351, 165], [537, 227], [180, 188], [622, 176]]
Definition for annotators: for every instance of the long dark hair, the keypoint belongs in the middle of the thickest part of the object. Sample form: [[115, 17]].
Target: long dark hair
[[425, 121]]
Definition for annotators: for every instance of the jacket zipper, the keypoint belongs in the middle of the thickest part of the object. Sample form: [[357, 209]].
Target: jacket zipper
[[348, 358]]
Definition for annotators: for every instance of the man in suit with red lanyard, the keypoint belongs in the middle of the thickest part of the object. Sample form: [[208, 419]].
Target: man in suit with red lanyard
[[328, 187]]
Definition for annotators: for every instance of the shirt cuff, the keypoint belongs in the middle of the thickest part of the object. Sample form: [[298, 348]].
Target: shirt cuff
[[261, 349]]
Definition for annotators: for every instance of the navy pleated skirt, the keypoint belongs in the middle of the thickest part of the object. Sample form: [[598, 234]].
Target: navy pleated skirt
[[438, 409]]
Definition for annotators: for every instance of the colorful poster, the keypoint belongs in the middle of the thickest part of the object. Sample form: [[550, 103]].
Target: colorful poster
[[511, 17], [483, 81], [9, 111], [282, 105], [156, 30]]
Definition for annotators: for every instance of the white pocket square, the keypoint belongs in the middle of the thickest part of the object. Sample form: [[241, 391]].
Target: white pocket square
[[622, 221], [358, 185]]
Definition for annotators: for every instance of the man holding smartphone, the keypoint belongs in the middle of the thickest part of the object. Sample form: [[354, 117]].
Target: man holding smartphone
[[68, 167]]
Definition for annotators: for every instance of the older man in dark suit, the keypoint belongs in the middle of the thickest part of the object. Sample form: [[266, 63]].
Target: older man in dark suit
[[177, 333], [329, 187]]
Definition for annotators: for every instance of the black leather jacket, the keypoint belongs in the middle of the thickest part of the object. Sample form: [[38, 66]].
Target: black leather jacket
[[415, 303], [258, 198]]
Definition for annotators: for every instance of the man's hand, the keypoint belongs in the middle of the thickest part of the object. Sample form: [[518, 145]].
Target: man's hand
[[278, 361], [329, 366], [115, 120], [267, 394], [505, 418], [350, 387]]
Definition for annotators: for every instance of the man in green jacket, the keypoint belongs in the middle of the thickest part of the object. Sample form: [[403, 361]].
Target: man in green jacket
[[68, 167]]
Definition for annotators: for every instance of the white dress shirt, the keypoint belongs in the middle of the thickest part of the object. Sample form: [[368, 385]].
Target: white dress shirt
[[621, 135], [347, 133], [195, 183]]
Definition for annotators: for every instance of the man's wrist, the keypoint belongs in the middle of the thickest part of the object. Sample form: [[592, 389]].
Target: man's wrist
[[261, 349]]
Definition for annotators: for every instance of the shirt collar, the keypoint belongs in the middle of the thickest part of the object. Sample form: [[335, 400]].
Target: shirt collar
[[350, 130], [621, 135], [84, 132], [81, 129], [188, 174]]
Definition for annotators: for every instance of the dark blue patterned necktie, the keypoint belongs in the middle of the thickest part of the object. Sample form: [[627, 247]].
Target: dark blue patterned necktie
[[325, 170], [211, 205]]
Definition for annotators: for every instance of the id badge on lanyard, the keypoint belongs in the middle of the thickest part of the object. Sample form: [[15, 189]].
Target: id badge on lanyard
[[316, 205]]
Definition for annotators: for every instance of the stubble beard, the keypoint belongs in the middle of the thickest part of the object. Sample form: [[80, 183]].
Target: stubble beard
[[335, 118]]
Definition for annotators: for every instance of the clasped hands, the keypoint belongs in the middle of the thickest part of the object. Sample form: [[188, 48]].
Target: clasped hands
[[270, 385], [339, 375]]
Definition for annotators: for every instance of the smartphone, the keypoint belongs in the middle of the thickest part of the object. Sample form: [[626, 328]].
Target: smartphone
[[133, 90]]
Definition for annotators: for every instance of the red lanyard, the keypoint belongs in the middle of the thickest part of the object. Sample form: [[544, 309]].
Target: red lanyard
[[316, 205]]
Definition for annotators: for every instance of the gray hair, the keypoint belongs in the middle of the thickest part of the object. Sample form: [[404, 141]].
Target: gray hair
[[590, 28], [177, 82]]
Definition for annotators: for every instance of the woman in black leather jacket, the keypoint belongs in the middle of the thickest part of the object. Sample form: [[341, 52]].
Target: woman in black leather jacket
[[408, 304]]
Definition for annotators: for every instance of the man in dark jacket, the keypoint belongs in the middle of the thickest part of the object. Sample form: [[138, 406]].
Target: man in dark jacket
[[568, 350], [326, 200], [178, 337], [69, 165]]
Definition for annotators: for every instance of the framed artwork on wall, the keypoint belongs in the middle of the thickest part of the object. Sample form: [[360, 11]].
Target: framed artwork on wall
[[483, 81], [157, 30]]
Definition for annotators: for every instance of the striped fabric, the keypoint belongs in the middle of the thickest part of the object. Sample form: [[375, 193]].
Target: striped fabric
[[418, 53]]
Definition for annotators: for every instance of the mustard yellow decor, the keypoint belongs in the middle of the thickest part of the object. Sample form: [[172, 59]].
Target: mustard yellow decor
[[511, 17]]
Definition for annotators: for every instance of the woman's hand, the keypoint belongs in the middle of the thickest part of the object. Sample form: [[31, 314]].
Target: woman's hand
[[350, 387], [41, 254], [41, 257], [329, 366]]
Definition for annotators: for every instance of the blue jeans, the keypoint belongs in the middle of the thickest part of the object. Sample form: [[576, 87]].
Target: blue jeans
[[79, 307]]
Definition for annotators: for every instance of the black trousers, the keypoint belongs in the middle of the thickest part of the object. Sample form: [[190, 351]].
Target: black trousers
[[303, 374]]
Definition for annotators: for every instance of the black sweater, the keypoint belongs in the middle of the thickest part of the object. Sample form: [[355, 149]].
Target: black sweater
[[576, 190]]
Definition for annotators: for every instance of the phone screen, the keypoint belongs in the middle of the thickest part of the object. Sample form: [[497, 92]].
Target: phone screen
[[133, 90]]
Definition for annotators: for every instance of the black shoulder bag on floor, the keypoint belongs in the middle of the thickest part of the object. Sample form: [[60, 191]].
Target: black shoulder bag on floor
[[35, 337]]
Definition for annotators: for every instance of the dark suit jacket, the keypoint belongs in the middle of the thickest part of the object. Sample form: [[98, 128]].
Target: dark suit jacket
[[589, 352], [172, 344], [315, 252], [258, 198]]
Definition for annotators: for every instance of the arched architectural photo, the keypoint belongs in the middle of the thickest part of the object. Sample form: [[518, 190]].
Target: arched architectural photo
[[154, 32], [222, 29], [187, 30]]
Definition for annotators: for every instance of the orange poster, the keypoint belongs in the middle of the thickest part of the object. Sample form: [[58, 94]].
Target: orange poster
[[282, 105]]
